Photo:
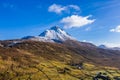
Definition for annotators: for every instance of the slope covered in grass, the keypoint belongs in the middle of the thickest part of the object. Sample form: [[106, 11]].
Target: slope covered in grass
[[32, 60]]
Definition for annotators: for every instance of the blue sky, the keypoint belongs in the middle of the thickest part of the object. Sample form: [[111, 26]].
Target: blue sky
[[96, 21]]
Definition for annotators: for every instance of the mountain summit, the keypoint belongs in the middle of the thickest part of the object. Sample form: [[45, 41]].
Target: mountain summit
[[54, 34], [57, 34]]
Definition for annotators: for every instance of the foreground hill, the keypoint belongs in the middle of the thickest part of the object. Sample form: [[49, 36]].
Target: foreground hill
[[71, 60]]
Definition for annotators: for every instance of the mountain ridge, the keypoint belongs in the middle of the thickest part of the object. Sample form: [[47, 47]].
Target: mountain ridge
[[57, 35], [54, 34]]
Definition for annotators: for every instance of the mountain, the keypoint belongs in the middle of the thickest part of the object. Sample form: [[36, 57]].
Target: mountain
[[110, 48], [54, 34], [55, 55], [103, 46]]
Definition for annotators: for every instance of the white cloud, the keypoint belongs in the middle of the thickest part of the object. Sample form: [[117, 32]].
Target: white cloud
[[56, 8], [76, 21], [59, 8], [84, 41], [108, 44], [117, 29], [87, 41]]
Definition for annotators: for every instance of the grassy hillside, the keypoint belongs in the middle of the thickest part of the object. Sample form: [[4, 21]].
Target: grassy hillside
[[32, 60]]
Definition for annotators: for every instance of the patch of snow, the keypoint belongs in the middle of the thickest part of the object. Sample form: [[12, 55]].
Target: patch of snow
[[54, 34], [1, 45], [13, 43]]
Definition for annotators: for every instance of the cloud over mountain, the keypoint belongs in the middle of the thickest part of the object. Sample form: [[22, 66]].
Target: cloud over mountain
[[76, 21], [59, 8]]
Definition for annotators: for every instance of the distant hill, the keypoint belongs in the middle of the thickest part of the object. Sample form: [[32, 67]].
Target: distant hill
[[111, 48]]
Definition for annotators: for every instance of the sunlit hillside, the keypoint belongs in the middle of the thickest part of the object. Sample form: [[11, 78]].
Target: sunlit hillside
[[33, 60]]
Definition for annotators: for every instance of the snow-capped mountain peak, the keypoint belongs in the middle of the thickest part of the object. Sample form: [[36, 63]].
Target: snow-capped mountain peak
[[56, 28], [56, 33]]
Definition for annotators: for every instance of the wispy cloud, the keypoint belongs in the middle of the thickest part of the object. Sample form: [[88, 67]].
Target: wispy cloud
[[87, 41], [59, 8], [88, 29], [56, 8], [110, 4], [117, 29], [76, 21], [74, 7]]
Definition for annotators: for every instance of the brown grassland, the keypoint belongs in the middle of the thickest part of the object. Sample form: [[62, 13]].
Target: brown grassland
[[31, 60]]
